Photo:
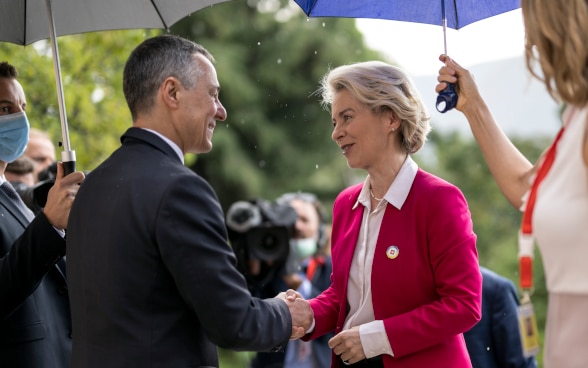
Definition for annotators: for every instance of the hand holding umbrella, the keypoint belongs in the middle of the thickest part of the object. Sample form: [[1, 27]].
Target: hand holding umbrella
[[459, 14]]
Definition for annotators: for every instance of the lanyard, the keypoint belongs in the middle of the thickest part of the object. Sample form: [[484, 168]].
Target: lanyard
[[526, 234]]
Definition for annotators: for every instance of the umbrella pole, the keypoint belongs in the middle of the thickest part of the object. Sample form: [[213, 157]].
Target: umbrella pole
[[68, 156], [443, 22]]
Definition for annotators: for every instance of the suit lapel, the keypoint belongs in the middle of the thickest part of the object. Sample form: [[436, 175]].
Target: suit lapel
[[7, 203]]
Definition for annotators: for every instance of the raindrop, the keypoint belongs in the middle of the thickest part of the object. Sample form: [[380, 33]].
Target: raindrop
[[316, 166], [324, 25], [315, 52], [258, 43], [279, 61]]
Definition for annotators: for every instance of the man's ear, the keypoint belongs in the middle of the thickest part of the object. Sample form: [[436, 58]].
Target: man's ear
[[170, 92]]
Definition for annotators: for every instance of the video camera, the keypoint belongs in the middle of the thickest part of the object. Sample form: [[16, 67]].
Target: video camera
[[260, 230], [35, 197]]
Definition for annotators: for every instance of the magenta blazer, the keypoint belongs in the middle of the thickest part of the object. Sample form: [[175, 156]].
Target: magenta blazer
[[430, 293]]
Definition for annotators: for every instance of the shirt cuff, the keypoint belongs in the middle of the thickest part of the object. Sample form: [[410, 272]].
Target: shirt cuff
[[374, 339], [311, 328], [61, 232]]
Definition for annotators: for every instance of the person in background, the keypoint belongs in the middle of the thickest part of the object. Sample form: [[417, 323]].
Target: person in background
[[556, 44], [20, 173], [41, 150], [310, 246], [154, 281], [35, 325], [495, 341], [406, 282]]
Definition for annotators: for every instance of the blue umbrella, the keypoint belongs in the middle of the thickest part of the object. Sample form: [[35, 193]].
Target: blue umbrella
[[451, 13]]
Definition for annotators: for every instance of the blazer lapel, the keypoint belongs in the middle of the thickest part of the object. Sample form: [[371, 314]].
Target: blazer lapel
[[7, 203]]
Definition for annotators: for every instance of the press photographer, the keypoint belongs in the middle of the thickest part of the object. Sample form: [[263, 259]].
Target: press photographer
[[260, 232], [261, 250]]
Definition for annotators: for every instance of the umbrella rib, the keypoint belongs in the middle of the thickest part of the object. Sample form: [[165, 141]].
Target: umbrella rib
[[24, 22], [159, 14], [455, 14]]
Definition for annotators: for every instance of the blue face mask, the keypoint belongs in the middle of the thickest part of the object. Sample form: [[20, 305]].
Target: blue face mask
[[14, 136]]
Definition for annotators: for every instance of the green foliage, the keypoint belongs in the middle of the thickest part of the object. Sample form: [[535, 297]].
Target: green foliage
[[91, 67]]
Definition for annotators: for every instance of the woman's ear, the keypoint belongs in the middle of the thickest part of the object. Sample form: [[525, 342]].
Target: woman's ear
[[393, 121]]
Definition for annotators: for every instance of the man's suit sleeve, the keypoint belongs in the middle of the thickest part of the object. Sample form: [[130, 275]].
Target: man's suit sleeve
[[192, 240], [29, 259]]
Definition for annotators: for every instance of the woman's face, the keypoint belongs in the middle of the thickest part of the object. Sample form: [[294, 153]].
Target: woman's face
[[361, 134]]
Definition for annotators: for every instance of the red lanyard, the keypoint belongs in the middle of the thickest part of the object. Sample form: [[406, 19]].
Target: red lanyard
[[526, 236], [312, 265]]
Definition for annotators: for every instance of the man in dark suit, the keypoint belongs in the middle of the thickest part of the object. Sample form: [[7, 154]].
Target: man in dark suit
[[156, 283], [35, 324], [495, 342]]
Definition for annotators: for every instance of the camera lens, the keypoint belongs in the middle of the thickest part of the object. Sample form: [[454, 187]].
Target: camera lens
[[269, 242]]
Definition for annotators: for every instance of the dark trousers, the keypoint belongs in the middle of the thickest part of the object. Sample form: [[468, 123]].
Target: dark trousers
[[375, 362]]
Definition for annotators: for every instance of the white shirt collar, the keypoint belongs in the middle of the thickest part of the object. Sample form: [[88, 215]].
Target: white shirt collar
[[174, 146], [398, 190]]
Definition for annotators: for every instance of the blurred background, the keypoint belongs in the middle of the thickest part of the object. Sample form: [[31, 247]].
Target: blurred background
[[270, 58]]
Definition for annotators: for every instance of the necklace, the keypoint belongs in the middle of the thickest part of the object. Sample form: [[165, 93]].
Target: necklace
[[373, 196]]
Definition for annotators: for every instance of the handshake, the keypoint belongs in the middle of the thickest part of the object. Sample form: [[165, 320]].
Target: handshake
[[300, 311]]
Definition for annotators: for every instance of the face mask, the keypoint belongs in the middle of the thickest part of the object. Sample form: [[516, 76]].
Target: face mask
[[14, 136], [305, 247]]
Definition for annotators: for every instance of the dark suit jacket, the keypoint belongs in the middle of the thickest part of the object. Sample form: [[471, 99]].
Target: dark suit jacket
[[494, 342], [153, 281], [35, 326]]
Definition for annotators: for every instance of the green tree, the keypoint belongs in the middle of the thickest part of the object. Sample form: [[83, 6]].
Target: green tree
[[91, 66]]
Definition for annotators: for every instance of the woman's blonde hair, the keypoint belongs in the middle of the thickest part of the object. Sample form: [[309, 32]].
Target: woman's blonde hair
[[557, 40], [382, 87]]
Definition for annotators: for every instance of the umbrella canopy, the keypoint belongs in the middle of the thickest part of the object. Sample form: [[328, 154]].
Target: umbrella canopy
[[25, 21], [447, 13], [459, 13]]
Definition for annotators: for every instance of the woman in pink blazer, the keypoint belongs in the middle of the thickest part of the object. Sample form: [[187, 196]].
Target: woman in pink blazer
[[406, 282]]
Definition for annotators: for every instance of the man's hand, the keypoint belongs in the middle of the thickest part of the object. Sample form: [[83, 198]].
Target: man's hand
[[347, 344], [300, 311], [61, 196]]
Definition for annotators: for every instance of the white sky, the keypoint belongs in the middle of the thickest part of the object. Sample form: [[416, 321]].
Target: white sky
[[416, 47]]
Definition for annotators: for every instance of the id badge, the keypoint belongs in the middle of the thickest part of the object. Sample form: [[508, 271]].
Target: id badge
[[528, 329]]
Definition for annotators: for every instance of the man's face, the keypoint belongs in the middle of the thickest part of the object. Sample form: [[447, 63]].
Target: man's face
[[12, 97], [201, 109], [42, 151]]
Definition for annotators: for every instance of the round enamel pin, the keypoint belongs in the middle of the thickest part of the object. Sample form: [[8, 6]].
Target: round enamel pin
[[392, 252]]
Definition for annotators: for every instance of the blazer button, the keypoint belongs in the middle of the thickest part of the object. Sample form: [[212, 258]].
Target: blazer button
[[62, 290]]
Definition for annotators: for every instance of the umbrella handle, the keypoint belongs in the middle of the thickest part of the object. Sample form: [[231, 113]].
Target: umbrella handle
[[447, 99], [69, 167], [68, 158]]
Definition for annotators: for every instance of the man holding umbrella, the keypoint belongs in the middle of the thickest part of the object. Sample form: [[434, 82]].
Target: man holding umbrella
[[35, 327]]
